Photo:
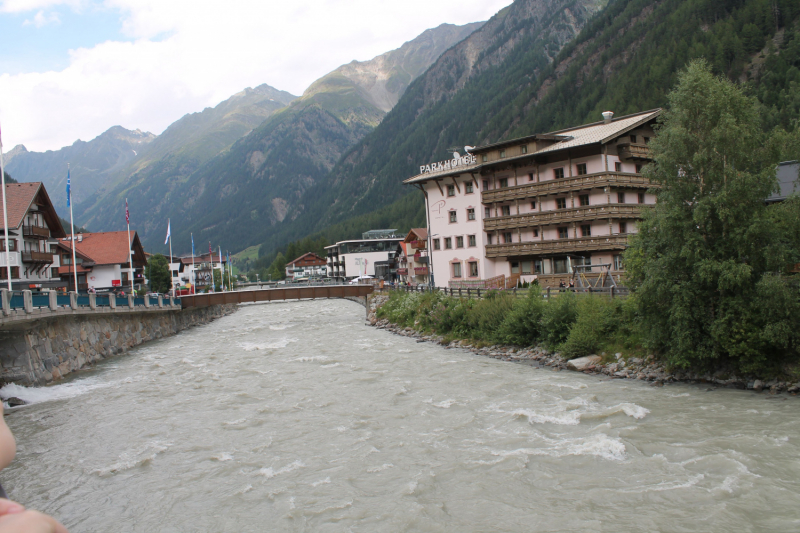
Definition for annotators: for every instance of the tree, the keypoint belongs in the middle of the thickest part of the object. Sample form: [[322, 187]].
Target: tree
[[277, 270], [157, 273], [708, 262]]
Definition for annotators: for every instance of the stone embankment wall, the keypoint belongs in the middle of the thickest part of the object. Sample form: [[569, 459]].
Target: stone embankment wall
[[50, 349]]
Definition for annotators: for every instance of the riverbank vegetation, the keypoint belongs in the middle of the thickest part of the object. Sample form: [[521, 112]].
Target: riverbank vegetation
[[712, 268]]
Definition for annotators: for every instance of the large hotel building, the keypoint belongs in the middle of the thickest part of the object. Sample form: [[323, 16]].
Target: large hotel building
[[543, 206]]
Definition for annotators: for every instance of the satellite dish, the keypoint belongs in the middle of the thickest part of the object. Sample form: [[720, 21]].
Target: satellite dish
[[468, 149]]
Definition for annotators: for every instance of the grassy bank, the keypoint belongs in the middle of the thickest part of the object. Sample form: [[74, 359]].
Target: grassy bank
[[572, 324]]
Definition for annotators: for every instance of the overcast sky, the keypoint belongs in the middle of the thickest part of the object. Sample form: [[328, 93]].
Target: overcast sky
[[73, 68]]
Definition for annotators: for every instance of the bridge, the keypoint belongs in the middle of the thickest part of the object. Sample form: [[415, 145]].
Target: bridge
[[269, 295]]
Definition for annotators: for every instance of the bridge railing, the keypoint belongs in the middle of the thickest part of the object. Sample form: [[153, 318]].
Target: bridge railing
[[23, 303]]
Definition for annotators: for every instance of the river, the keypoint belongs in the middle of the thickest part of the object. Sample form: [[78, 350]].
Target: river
[[298, 417]]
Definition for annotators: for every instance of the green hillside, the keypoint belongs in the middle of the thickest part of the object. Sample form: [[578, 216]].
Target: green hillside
[[625, 59]]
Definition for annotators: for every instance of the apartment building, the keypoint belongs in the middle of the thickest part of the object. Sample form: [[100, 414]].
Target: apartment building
[[308, 265], [33, 230], [359, 257], [545, 206]]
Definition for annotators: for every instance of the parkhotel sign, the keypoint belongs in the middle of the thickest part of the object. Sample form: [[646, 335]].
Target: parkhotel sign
[[456, 162]]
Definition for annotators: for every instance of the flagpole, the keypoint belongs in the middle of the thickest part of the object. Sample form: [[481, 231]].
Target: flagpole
[[130, 244], [5, 215], [194, 274], [74, 267], [230, 271], [171, 280]]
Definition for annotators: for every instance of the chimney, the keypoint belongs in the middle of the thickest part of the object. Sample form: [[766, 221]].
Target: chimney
[[607, 116]]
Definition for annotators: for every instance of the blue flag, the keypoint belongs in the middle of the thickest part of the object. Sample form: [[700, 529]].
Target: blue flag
[[192, 244], [67, 187]]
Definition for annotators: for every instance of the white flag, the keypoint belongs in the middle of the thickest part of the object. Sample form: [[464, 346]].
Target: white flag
[[167, 239]]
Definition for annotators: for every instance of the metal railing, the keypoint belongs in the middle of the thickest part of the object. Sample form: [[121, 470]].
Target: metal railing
[[27, 304]]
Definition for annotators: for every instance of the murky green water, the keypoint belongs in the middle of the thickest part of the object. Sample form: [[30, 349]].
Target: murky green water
[[297, 417]]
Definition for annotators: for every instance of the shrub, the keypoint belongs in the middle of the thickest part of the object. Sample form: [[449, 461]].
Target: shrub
[[557, 319], [598, 318], [485, 317], [523, 325]]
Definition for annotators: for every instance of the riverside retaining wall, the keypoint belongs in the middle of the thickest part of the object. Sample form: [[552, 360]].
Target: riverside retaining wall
[[48, 349]]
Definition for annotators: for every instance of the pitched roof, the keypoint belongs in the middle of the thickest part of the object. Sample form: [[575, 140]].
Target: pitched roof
[[416, 234], [107, 247], [308, 256], [596, 132], [205, 258], [20, 197]]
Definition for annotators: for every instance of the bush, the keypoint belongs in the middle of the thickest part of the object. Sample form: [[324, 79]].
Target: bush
[[485, 317], [523, 325], [557, 319], [598, 318]]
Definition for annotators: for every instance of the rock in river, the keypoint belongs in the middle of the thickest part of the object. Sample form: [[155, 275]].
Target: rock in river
[[582, 363]]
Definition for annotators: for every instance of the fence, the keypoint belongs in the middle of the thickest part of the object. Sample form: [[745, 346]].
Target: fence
[[548, 292], [16, 303]]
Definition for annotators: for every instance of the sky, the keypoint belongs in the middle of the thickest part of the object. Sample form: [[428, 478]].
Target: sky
[[71, 69]]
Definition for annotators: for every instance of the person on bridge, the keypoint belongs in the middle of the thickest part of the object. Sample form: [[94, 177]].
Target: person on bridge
[[14, 518]]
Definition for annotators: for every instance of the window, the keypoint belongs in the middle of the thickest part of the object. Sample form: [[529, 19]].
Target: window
[[451, 190], [487, 212], [623, 227], [66, 259], [12, 245], [473, 269], [558, 173], [620, 197], [453, 216], [618, 166], [436, 244], [561, 203], [468, 188], [54, 272], [646, 139], [507, 237], [586, 230], [485, 185], [633, 138], [503, 183], [14, 273], [523, 149], [484, 158], [448, 243], [638, 168], [563, 233], [470, 214], [581, 167], [530, 175], [533, 205], [471, 240], [537, 266], [488, 238], [584, 199], [502, 153], [514, 267], [526, 267], [506, 210], [559, 266], [459, 242], [456, 270], [618, 263], [535, 232], [641, 197]]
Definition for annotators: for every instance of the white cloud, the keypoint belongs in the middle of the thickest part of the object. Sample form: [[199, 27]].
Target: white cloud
[[187, 55], [41, 19]]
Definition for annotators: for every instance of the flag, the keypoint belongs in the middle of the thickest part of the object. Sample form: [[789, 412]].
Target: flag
[[127, 214], [167, 239], [210, 252], [220, 256], [68, 193], [192, 244]]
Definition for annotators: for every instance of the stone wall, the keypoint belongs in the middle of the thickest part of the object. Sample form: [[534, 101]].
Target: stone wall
[[46, 350]]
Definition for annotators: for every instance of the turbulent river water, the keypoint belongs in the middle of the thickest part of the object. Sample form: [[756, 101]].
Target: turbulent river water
[[298, 417]]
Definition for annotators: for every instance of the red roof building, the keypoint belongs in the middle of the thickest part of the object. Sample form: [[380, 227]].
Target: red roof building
[[102, 260], [306, 266]]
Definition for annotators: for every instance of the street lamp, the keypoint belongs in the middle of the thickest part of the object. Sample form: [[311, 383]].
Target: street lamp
[[430, 260], [257, 281]]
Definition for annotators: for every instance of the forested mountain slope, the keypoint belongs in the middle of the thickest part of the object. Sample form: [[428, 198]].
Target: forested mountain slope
[[237, 197], [92, 163], [167, 162], [524, 79]]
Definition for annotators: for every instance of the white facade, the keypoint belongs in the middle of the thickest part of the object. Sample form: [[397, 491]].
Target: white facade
[[351, 259]]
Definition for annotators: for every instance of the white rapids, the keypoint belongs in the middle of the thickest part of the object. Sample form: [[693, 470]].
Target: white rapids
[[298, 417]]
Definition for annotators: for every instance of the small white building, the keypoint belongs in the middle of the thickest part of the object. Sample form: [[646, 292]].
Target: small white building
[[102, 261], [351, 259]]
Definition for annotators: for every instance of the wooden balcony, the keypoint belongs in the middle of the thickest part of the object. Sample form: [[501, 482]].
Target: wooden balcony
[[37, 257], [560, 246], [420, 271], [563, 216], [418, 245], [35, 232], [634, 151], [576, 183]]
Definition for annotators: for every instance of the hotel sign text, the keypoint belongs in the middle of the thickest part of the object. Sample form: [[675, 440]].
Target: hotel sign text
[[468, 159]]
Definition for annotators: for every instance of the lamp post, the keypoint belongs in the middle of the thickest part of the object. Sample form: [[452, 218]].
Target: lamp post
[[430, 259], [258, 282]]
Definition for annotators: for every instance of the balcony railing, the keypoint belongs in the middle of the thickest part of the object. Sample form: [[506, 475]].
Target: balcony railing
[[37, 257], [634, 151], [561, 216], [583, 244], [576, 183], [36, 232], [420, 271], [402, 271], [418, 245]]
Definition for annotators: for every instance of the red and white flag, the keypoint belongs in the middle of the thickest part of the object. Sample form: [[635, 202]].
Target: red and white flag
[[127, 215]]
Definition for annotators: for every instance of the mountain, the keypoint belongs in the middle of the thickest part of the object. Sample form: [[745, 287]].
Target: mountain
[[92, 163], [541, 65], [236, 197], [182, 148]]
